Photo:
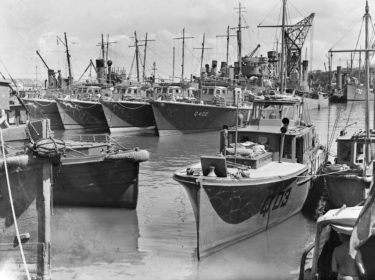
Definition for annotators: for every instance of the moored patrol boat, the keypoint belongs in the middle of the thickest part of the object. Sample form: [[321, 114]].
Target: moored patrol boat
[[129, 109], [261, 178], [217, 107]]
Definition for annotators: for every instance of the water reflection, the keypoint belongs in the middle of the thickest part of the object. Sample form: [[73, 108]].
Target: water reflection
[[158, 240]]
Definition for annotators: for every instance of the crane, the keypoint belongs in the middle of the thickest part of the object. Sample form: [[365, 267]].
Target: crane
[[295, 37], [254, 51], [45, 64], [52, 81]]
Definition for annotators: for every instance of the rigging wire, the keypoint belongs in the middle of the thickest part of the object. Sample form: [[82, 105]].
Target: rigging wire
[[290, 3], [267, 16], [340, 39], [12, 207]]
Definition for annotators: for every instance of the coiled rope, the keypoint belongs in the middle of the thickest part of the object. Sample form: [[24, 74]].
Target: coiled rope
[[12, 206]]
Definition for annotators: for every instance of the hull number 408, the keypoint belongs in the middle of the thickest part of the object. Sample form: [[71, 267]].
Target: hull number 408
[[200, 114]]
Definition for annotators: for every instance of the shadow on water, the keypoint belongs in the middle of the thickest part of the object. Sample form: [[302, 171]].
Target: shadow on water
[[86, 239], [273, 254]]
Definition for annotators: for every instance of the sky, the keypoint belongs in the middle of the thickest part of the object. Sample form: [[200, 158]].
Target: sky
[[30, 25]]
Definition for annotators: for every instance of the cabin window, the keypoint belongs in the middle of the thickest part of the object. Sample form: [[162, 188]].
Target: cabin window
[[360, 153], [300, 149], [288, 112], [211, 91], [344, 151], [287, 153], [372, 149]]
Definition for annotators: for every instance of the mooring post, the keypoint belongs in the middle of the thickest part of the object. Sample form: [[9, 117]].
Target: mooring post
[[44, 216], [44, 225]]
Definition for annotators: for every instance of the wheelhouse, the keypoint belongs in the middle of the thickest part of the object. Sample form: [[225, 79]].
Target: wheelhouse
[[351, 149], [296, 145]]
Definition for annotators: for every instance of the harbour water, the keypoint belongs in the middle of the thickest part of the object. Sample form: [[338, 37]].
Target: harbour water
[[157, 241]]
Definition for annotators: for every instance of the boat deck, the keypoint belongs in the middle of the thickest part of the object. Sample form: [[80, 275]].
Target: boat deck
[[270, 170]]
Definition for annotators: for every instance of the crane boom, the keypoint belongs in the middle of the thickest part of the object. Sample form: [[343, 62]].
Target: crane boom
[[45, 64], [254, 51]]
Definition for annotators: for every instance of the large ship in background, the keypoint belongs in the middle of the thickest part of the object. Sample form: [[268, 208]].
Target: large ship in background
[[348, 88]]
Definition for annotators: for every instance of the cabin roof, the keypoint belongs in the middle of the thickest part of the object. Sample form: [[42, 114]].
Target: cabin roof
[[277, 102], [359, 136], [342, 219], [298, 130]]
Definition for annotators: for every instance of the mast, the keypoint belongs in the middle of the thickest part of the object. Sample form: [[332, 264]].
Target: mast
[[68, 58], [183, 52], [183, 55], [202, 53], [227, 54], [102, 46], [144, 57], [144, 60], [282, 49], [136, 54], [173, 64], [239, 39], [106, 52], [367, 69]]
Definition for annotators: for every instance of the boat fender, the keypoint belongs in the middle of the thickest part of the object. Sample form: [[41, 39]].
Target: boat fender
[[16, 161], [337, 167], [367, 179], [131, 155]]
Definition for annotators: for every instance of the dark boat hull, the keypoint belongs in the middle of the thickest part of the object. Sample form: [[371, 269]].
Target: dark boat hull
[[82, 115], [181, 118], [100, 182], [128, 116], [44, 108], [228, 212], [345, 188]]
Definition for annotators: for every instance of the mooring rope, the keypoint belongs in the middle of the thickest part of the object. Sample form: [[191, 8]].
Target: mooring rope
[[134, 108], [42, 105], [12, 206]]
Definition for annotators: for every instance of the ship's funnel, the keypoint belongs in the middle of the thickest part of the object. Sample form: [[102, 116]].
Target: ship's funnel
[[272, 56], [339, 78], [52, 83], [214, 66], [207, 68], [109, 77], [305, 65], [223, 66], [100, 71]]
